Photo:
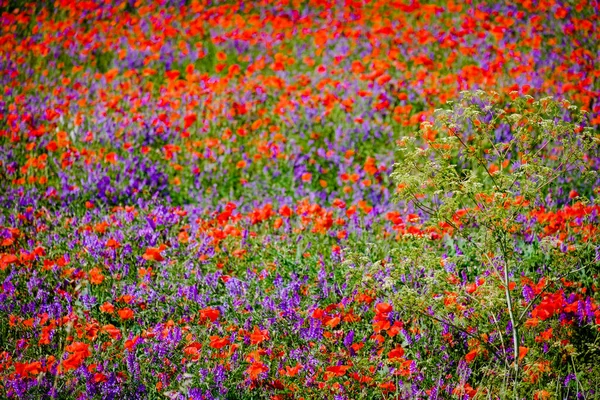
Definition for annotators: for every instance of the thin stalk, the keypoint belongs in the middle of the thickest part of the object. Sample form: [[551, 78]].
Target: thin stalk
[[509, 304]]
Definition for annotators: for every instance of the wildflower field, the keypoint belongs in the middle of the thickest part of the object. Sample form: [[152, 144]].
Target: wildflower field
[[323, 199]]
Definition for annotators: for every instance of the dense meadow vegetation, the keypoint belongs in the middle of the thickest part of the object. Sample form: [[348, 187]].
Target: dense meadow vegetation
[[291, 199]]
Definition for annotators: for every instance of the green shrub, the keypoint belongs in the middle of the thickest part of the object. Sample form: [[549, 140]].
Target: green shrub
[[481, 172]]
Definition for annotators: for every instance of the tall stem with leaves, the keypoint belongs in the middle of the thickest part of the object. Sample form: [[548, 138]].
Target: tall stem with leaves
[[485, 162]]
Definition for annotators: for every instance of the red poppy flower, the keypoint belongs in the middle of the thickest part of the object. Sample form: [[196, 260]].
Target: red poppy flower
[[256, 369], [79, 352], [471, 355], [107, 308], [285, 211], [112, 330], [126, 313], [112, 243], [96, 276], [153, 253], [193, 351], [131, 343], [383, 308], [397, 353], [217, 342], [291, 371], [259, 336], [210, 313], [25, 369], [338, 370]]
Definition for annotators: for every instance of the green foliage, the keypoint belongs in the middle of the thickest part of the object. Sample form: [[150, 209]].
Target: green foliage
[[207, 63], [103, 61], [466, 179]]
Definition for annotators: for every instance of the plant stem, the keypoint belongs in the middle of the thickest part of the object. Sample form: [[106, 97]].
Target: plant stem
[[509, 304]]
